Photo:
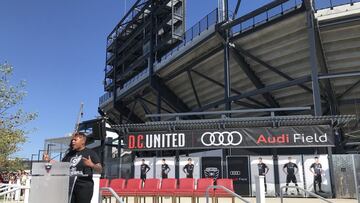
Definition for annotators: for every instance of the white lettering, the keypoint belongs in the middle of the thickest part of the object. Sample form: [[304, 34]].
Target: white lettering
[[181, 140], [316, 140], [297, 137], [168, 136], [149, 141], [309, 139], [157, 140], [323, 138]]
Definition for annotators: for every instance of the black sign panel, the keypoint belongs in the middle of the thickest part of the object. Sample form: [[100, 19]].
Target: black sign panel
[[211, 167], [301, 136], [238, 170]]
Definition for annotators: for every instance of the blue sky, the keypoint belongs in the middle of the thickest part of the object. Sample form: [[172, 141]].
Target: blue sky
[[58, 47]]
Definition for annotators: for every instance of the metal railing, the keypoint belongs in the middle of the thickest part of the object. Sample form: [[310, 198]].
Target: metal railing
[[106, 97], [113, 193], [305, 191], [6, 189], [323, 4], [226, 190], [201, 26], [264, 14], [270, 110]]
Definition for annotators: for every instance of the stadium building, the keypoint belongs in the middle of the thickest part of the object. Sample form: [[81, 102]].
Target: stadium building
[[280, 83]]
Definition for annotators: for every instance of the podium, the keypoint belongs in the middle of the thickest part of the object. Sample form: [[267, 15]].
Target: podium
[[50, 183]]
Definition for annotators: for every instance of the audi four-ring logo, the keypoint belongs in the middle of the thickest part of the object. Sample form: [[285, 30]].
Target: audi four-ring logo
[[221, 138]]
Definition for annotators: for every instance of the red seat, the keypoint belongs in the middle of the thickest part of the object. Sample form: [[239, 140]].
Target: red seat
[[202, 185], [168, 187], [132, 187], [118, 185], [103, 183], [228, 183], [151, 186], [186, 187]]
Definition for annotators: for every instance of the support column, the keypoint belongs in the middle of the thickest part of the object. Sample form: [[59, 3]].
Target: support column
[[313, 58], [227, 83], [177, 159], [331, 171], [276, 172], [158, 105]]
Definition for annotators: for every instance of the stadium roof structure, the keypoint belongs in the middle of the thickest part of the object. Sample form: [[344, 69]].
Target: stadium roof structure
[[286, 54]]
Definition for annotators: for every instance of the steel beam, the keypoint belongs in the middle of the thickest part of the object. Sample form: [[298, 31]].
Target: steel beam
[[102, 113], [252, 14], [128, 113], [347, 91], [158, 105], [323, 63], [268, 66], [153, 104], [350, 102], [145, 108], [193, 88], [232, 90], [227, 82], [339, 75], [313, 58], [253, 77], [238, 3], [269, 88], [190, 65], [132, 109], [169, 96]]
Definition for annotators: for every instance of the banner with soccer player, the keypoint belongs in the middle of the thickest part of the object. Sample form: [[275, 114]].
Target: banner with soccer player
[[291, 173], [317, 174], [189, 167], [165, 167], [144, 168], [263, 165]]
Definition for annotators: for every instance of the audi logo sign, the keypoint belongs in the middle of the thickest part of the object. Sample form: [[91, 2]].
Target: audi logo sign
[[300, 136], [224, 138], [235, 173]]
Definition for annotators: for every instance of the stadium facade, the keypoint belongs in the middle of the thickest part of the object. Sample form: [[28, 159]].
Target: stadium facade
[[281, 81]]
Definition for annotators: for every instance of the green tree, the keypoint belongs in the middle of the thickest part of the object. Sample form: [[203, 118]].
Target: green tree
[[12, 117]]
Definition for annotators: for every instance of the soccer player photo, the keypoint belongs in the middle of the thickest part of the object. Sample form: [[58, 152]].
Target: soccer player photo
[[317, 171], [144, 168], [263, 166], [263, 170], [291, 169], [188, 169], [291, 173], [317, 175], [165, 167]]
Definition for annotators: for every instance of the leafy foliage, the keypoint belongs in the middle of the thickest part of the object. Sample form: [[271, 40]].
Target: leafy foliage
[[12, 117]]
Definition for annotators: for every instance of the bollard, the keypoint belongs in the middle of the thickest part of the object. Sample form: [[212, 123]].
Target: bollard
[[260, 189], [95, 197]]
